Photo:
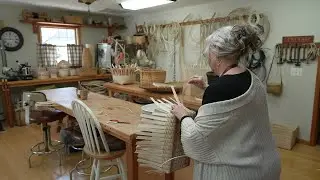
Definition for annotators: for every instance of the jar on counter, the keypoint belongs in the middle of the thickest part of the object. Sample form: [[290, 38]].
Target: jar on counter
[[73, 72], [53, 72]]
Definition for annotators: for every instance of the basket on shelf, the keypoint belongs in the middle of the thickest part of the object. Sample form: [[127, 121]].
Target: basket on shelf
[[34, 16], [285, 135], [88, 71], [150, 76], [73, 19]]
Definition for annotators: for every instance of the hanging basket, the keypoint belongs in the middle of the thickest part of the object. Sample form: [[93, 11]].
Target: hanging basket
[[274, 88]]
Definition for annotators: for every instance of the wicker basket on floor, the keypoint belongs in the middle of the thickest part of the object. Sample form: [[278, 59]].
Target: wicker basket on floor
[[285, 135], [150, 76]]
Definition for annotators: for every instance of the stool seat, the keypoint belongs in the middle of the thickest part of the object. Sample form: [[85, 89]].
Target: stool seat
[[105, 155], [46, 116]]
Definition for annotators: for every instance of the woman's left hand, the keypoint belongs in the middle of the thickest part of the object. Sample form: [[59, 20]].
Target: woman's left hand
[[179, 111]]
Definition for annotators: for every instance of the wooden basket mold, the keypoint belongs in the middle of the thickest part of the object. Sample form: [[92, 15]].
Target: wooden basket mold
[[150, 76]]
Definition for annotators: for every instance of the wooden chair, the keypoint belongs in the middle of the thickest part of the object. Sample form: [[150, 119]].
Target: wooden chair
[[91, 130]]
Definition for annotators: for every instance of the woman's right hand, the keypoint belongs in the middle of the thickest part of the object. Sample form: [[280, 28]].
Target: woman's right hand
[[197, 81]]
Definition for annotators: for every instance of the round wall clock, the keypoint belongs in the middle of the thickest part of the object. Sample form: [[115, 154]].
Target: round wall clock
[[12, 38]]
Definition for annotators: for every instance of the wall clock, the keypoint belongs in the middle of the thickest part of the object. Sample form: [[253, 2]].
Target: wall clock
[[12, 38]]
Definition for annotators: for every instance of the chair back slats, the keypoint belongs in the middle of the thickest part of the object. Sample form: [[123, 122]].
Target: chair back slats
[[33, 97], [90, 128]]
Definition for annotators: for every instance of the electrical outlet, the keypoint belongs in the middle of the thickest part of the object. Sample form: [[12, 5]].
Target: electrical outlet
[[296, 71], [299, 71]]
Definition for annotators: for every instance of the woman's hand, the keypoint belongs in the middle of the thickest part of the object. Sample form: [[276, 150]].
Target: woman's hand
[[180, 110], [198, 81]]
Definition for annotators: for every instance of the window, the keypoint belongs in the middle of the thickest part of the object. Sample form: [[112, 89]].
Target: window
[[59, 36]]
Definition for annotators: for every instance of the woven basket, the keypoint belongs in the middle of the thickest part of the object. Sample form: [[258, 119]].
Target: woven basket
[[275, 89], [123, 79], [88, 72], [73, 19], [285, 135], [150, 76], [159, 142]]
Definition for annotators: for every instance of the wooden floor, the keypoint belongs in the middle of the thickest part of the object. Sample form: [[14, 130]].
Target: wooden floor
[[303, 163]]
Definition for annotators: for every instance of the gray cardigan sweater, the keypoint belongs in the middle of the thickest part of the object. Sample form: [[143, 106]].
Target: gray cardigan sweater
[[234, 133]]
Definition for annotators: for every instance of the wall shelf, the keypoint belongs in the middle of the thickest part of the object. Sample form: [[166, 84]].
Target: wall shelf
[[36, 24]]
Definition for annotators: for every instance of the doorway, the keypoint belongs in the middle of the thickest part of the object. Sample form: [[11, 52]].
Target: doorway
[[315, 125]]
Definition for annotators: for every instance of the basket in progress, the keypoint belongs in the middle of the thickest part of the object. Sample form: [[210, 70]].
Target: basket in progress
[[159, 142], [150, 76]]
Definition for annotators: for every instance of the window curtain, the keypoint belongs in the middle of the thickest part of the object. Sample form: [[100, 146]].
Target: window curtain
[[75, 54], [47, 55]]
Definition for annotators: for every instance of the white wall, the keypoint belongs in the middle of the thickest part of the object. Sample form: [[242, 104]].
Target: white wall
[[287, 18], [11, 14]]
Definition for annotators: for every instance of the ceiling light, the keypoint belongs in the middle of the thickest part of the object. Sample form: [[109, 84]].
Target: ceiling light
[[142, 4], [88, 2]]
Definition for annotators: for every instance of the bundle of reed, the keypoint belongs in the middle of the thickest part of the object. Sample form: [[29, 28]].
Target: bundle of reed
[[159, 141], [124, 75]]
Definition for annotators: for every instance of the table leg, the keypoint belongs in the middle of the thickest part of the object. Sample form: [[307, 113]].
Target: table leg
[[10, 109], [132, 162], [9, 112], [130, 98], [4, 101], [169, 176], [110, 93]]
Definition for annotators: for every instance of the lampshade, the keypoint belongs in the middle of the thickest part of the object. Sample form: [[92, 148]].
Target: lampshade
[[142, 4], [86, 1]]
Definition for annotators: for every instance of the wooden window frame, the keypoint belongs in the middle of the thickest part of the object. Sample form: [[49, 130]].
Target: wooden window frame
[[75, 27]]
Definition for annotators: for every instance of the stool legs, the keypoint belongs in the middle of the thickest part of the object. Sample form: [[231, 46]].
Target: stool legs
[[45, 147]]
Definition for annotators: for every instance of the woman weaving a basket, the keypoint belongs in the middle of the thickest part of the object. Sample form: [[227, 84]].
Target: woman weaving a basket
[[230, 138]]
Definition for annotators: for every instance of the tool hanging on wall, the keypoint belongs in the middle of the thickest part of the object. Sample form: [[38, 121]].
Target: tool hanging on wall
[[279, 50], [296, 53], [297, 50]]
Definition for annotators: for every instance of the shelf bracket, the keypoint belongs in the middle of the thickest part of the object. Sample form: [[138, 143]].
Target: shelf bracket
[[35, 28]]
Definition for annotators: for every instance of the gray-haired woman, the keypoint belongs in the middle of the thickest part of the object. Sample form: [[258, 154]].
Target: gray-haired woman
[[230, 138]]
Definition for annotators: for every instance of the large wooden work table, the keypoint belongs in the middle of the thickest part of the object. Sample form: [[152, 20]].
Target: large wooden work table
[[6, 89], [135, 90], [105, 109]]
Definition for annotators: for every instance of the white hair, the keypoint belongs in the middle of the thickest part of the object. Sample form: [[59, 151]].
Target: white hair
[[236, 41]]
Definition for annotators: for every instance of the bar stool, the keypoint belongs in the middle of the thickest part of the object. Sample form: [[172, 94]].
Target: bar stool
[[43, 117]]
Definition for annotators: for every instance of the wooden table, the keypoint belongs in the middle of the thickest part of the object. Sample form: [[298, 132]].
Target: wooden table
[[102, 105], [6, 89], [135, 90]]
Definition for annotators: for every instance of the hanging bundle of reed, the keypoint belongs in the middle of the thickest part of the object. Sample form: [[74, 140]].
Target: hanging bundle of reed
[[159, 142], [124, 75]]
